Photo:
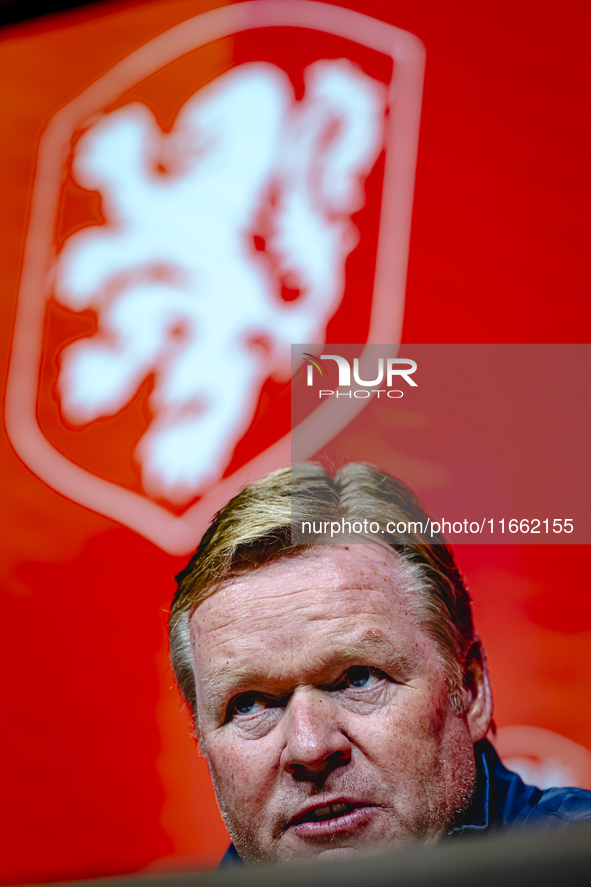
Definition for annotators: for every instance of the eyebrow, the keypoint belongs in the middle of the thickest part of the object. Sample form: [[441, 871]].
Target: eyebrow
[[225, 682], [397, 662]]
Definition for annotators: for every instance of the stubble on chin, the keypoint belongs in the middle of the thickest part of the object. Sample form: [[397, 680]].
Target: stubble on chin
[[444, 803]]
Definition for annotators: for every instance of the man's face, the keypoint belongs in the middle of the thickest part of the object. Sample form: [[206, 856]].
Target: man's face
[[323, 709]]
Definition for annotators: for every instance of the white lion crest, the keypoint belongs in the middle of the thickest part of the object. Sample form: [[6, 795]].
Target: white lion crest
[[225, 241]]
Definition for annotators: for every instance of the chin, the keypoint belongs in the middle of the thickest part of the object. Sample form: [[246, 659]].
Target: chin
[[333, 853], [358, 852], [327, 854], [353, 849]]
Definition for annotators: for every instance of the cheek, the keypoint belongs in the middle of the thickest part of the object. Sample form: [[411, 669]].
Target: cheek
[[431, 747], [407, 735], [239, 771]]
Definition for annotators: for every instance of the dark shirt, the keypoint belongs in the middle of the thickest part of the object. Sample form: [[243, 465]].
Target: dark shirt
[[502, 802]]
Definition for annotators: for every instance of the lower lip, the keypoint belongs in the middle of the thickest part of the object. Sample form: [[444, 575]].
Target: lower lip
[[340, 825]]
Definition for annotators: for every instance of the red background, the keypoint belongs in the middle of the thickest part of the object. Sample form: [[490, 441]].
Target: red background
[[101, 776]]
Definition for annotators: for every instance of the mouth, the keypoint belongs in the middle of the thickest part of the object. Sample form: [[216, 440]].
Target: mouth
[[338, 817]]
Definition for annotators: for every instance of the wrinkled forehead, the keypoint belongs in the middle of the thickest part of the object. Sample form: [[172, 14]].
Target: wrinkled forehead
[[326, 581], [302, 620]]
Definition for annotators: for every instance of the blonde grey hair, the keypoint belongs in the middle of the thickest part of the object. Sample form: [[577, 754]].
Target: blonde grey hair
[[263, 522]]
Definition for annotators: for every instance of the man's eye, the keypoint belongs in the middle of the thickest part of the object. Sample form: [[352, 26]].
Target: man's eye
[[248, 704], [362, 676]]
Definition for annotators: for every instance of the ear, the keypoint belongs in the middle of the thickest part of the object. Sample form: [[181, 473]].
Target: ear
[[479, 706]]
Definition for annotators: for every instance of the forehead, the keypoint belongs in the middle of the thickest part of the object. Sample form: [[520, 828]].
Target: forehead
[[333, 597]]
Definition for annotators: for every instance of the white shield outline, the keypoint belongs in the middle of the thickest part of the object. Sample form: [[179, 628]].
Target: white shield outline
[[180, 535]]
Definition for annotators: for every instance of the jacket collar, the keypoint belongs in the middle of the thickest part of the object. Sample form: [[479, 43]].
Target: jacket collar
[[492, 781]]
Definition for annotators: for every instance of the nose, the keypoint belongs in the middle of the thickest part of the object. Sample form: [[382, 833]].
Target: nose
[[315, 743]]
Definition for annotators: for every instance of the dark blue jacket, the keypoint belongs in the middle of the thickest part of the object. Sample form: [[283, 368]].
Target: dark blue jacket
[[502, 802]]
